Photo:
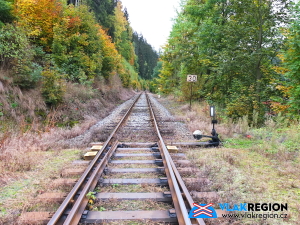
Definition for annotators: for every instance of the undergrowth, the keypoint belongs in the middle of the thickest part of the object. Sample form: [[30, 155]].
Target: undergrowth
[[29, 127], [255, 165]]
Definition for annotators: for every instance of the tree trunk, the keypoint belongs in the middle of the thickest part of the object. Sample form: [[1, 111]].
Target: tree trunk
[[258, 72]]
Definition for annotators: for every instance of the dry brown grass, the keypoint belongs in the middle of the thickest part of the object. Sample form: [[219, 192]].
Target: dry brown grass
[[32, 147], [20, 105], [30, 138], [19, 194], [31, 143], [28, 109], [198, 118], [263, 167], [23, 135], [18, 152], [240, 175]]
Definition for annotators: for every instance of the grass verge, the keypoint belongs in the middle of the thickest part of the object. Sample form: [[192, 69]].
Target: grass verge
[[253, 166], [19, 195]]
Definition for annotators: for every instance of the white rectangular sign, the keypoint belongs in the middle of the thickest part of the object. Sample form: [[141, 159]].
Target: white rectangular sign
[[191, 78]]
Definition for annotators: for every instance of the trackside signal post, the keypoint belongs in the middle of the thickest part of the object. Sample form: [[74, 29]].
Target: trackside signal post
[[215, 141], [192, 79], [214, 121]]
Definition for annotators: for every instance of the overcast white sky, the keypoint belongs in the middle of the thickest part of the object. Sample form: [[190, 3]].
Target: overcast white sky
[[152, 19]]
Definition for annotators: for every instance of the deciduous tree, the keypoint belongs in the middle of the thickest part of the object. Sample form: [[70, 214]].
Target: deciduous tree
[[77, 47], [291, 86], [231, 46], [38, 18]]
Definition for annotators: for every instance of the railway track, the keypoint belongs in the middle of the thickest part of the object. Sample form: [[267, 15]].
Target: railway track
[[134, 166]]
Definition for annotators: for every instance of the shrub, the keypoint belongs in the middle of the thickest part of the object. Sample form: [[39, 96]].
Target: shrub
[[16, 56], [53, 87], [5, 13], [13, 45], [128, 75], [77, 45], [111, 57]]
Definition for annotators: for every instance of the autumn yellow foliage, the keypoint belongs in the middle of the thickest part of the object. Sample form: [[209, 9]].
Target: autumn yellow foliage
[[38, 18]]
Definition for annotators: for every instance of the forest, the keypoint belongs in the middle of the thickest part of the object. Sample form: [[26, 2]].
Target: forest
[[46, 43], [245, 53]]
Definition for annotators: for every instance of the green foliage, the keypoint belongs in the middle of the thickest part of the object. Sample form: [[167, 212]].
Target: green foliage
[[1, 113], [123, 34], [13, 44], [111, 57], [157, 69], [17, 55], [167, 81], [292, 62], [53, 42], [91, 195], [147, 57], [231, 46], [101, 209], [53, 87], [128, 75], [77, 45], [26, 73], [6, 15], [115, 185], [104, 12]]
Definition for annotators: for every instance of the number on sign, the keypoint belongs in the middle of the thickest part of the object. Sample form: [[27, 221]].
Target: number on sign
[[191, 78]]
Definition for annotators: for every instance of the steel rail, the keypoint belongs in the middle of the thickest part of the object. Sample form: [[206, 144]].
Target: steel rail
[[168, 170], [185, 191], [60, 211], [181, 210], [81, 202]]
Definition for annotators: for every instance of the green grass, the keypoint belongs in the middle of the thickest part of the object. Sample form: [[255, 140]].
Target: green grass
[[243, 143], [12, 190], [269, 140], [20, 193]]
